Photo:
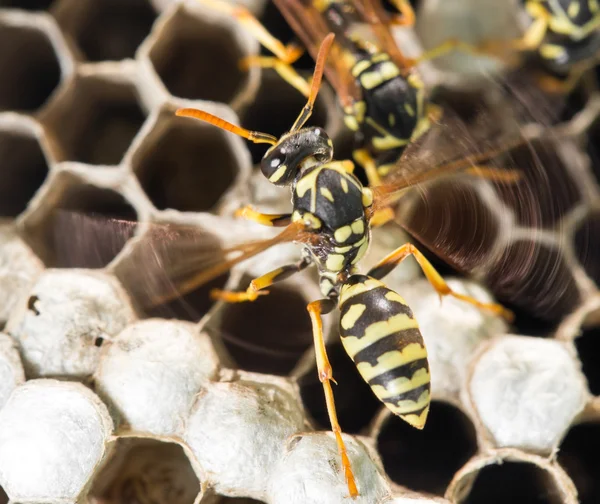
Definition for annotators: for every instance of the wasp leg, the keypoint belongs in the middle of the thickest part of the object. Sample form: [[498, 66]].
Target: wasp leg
[[257, 285], [285, 71], [286, 53], [407, 17], [315, 309], [382, 217], [277, 220], [363, 158], [385, 266]]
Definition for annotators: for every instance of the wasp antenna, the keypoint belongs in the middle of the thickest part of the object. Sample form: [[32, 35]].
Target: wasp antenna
[[316, 82], [253, 136]]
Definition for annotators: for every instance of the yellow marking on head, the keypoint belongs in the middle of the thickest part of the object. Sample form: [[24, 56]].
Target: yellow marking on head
[[409, 110], [391, 360], [573, 9], [389, 70], [417, 421], [402, 384], [360, 67], [335, 262], [351, 122], [377, 331], [342, 234], [361, 252], [367, 197], [349, 291], [370, 80], [394, 296], [352, 315], [344, 184], [278, 173], [312, 220], [551, 51], [358, 226], [326, 193], [408, 405]]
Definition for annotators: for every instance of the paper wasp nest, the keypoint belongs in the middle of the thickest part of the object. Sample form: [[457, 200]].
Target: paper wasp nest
[[102, 401]]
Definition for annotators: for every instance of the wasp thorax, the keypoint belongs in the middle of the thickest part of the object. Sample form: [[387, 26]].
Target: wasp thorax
[[294, 151]]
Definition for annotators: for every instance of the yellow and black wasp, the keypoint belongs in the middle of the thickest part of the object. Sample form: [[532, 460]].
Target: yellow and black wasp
[[381, 94], [332, 216]]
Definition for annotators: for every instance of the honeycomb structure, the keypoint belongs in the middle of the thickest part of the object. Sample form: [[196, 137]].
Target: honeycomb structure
[[106, 195]]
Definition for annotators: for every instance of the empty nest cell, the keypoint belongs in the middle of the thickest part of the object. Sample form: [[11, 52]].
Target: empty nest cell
[[146, 470], [514, 482], [185, 165], [95, 120], [355, 402], [427, 460], [269, 335], [588, 350], [198, 58], [107, 30], [163, 257], [578, 454], [86, 228], [29, 67], [23, 170]]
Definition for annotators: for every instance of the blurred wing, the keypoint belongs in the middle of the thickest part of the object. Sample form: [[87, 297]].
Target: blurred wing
[[311, 29]]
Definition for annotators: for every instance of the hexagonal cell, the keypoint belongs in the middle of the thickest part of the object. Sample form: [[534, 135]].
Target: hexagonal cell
[[587, 245], [109, 30], [427, 460], [514, 482], [146, 470], [186, 165], [588, 349], [355, 402], [24, 169], [34, 5], [103, 115], [86, 228], [197, 55], [29, 67], [578, 454], [280, 332], [170, 253], [537, 279], [275, 108]]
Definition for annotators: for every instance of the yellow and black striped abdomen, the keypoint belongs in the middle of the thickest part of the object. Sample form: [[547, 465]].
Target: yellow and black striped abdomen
[[382, 337]]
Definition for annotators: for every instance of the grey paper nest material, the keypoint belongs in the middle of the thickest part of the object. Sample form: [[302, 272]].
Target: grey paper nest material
[[123, 405]]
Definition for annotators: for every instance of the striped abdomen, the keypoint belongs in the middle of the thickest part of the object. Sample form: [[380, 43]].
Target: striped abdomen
[[382, 337]]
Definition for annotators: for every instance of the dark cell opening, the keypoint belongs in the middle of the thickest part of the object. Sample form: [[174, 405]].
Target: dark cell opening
[[355, 402], [147, 471], [188, 168], [427, 460], [588, 349], [270, 334], [514, 482], [587, 246], [112, 29], [3, 496], [87, 228], [29, 68], [160, 261], [33, 5], [103, 118], [198, 59], [274, 110], [23, 170], [578, 454]]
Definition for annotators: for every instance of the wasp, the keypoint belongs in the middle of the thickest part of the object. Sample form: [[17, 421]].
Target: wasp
[[332, 216], [380, 91]]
